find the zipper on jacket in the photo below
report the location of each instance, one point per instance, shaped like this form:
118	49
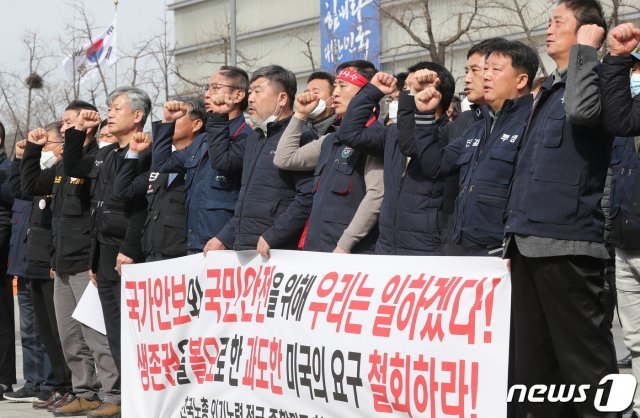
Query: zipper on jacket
395	212
253	167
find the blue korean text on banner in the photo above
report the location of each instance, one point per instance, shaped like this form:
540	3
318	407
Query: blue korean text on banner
349	30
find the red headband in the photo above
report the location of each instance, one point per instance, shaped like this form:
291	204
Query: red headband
352	77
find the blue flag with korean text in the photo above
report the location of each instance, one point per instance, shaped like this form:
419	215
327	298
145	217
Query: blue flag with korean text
349	30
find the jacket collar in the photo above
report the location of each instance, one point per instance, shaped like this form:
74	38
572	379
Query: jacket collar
276	126
509	105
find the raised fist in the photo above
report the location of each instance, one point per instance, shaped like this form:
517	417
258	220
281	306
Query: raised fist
624	39
386	83
423	79
221	103
87	119
174	110
428	99
139	142
305	104
591	35
20	148
38	136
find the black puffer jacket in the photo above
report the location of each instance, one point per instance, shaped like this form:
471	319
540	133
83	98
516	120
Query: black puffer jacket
273	203
620	111
410	216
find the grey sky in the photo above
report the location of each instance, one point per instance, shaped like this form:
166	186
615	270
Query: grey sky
137	20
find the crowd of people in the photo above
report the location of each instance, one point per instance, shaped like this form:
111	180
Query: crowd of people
521	175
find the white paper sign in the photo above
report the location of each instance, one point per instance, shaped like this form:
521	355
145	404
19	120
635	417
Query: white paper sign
89	310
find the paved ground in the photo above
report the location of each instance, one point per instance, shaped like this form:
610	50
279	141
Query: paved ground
25	410
16	409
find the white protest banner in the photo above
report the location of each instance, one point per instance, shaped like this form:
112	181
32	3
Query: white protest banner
308	334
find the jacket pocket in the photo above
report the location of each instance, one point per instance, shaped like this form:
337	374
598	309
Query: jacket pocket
557	181
341	184
75	241
221	182
72	205
499	166
173	241
553	130
39	246
114	223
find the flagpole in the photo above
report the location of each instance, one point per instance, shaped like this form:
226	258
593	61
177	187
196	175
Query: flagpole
115	3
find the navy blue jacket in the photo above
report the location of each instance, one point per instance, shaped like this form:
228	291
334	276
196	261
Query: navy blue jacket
409	216
486	159
20	213
17	263
30	249
339	189
625	195
6	198
620	111
211	193
560	174
273	203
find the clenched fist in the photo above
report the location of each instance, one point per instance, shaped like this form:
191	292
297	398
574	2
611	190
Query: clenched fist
173	110
139	142
38	136
20	148
591	35
428	99
623	39
386	83
222	103
87	119
423	79
305	104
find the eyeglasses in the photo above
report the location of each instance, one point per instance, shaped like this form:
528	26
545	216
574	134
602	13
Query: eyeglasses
216	87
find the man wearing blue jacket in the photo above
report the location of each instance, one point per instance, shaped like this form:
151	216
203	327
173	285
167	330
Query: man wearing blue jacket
211	192
621	116
555	224
409	221
485	155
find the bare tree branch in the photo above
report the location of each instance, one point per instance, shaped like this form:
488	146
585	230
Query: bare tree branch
467	21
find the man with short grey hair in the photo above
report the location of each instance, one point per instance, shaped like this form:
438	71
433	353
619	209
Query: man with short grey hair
211	192
118	218
274	204
164	232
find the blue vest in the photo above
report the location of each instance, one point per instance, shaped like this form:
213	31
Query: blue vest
625	195
487	163
339	189
560	174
